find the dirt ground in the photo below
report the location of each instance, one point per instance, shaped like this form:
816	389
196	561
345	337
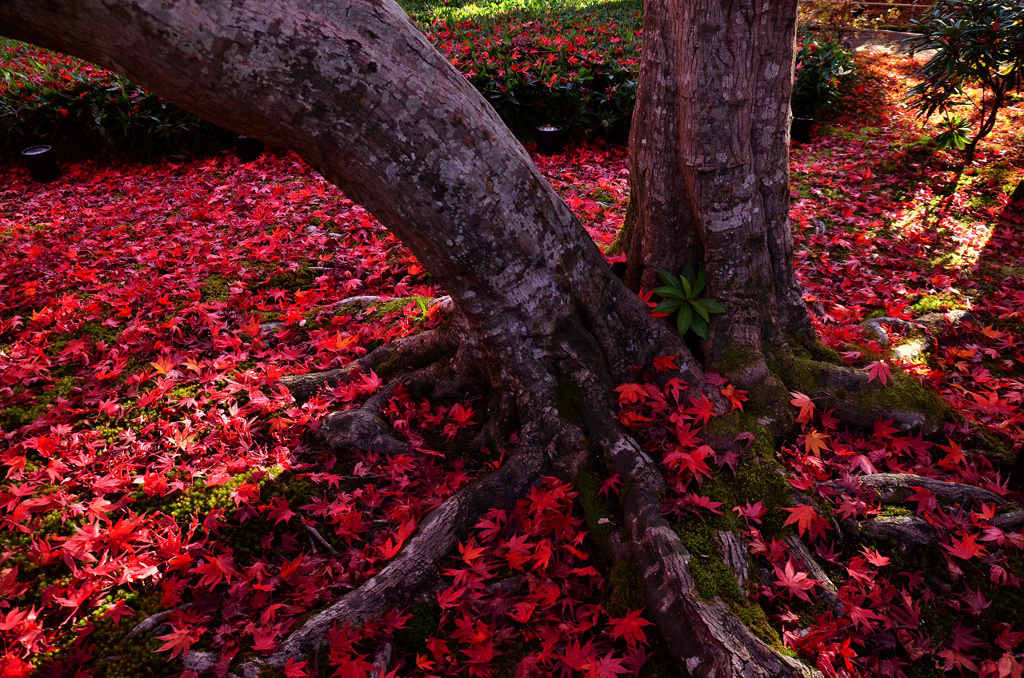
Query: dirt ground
885	42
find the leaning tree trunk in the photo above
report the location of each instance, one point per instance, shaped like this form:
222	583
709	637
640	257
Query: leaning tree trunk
709	153
361	95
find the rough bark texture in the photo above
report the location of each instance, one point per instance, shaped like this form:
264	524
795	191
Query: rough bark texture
709	165
707	638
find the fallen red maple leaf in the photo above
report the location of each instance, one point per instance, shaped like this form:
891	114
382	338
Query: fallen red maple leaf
880	370
179	640
631	393
630	627
806	518
796	583
965	548
806	406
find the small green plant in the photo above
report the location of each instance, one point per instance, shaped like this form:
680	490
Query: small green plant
681	293
956	132
977	43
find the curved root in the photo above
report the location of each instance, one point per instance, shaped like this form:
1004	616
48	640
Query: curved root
894	486
414	351
415	568
704	635
910	531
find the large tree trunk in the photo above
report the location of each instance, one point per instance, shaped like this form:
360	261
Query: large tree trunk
360	94
363	97
709	153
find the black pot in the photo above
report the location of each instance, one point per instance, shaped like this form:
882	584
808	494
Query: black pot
248	149
800	130
549	139
41	162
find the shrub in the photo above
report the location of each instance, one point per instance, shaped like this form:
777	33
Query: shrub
46	97
824	72
572	63
977	43
543	62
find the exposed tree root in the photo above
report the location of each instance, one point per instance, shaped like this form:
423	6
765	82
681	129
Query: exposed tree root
922	332
893	487
839	388
905	531
829	593
736	556
415	568
708	638
415	351
705	636
910	531
362	428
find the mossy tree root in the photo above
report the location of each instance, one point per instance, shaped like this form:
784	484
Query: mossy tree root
895	487
908	532
412	352
704	635
860	402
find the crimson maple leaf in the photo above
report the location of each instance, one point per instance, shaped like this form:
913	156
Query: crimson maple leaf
863	618
607	666
874	557
578	658
965	548
481	653
279	510
884	428
352	667
925	499
806	518
631	393
295	669
391	548
118	610
461	415
470	552
290	567
263	640
630	627
880	370
665	363
179	640
610	484
752	512
796	583
702	409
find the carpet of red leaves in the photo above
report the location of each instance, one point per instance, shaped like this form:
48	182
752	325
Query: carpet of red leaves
152	461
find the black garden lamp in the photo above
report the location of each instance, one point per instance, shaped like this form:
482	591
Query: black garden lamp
549	139
800	130
248	149
41	162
